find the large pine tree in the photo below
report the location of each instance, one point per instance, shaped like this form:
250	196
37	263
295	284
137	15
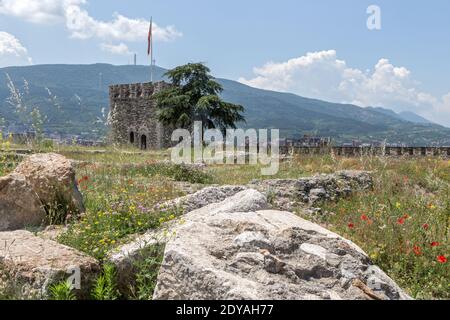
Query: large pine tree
194	96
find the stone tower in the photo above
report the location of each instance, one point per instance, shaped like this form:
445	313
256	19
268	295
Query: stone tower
133	116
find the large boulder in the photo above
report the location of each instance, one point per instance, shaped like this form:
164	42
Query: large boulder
52	177
126	257
237	250
20	206
29	265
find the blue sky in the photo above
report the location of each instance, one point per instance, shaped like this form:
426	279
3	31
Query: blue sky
404	66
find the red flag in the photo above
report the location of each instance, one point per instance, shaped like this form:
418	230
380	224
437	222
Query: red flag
149	49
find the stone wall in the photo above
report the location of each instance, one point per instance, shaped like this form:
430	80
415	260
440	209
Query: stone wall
133	116
380	151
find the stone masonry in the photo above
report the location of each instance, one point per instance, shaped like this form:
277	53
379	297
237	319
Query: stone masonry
133	116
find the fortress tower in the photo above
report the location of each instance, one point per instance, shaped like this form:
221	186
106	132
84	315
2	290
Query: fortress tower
133	116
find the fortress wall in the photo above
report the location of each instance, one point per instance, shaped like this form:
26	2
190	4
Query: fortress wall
375	151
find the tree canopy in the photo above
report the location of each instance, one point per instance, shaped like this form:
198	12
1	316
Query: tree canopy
195	96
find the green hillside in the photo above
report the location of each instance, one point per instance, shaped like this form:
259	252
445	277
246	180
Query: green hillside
78	104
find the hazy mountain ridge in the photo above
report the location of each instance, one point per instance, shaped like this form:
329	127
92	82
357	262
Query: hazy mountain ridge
293	114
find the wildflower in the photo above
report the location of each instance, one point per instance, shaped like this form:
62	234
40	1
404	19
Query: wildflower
442	259
398	205
435	244
426	226
364	217
431	206
351	225
417	250
401	221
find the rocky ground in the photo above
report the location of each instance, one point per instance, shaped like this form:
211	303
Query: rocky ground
229	242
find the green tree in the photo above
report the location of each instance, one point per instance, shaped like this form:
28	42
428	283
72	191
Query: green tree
194	96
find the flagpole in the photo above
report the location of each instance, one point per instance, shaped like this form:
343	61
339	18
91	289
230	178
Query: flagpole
151	50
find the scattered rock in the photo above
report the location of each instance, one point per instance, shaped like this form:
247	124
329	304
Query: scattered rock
289	193
223	252
187	187
20	206
189	166
29	265
52	177
202	198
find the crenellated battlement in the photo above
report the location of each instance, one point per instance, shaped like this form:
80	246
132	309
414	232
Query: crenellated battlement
135	90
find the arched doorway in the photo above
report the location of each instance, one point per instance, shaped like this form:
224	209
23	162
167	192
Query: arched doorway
144	142
132	137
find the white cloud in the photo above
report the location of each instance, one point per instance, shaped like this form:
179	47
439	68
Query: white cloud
37	11
12	52
321	75
121	49
81	25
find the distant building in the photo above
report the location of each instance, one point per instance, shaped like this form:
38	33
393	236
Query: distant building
306	141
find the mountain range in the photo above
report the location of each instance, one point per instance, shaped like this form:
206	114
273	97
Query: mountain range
74	101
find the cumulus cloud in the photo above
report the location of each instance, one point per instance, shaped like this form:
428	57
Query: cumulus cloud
322	75
120	49
80	24
12	52
37	11
83	26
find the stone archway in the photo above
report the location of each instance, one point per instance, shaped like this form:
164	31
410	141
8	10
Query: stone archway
144	142
132	134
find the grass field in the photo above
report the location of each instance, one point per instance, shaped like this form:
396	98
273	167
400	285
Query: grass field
403	223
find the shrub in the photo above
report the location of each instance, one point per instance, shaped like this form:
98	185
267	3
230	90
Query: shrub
105	287
61	291
147	272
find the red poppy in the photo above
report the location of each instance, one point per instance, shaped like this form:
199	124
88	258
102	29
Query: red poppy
401	220
441	259
85	178
426	226
406	216
364	217
351	225
417	250
435	244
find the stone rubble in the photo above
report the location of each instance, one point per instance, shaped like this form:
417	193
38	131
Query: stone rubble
287	194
